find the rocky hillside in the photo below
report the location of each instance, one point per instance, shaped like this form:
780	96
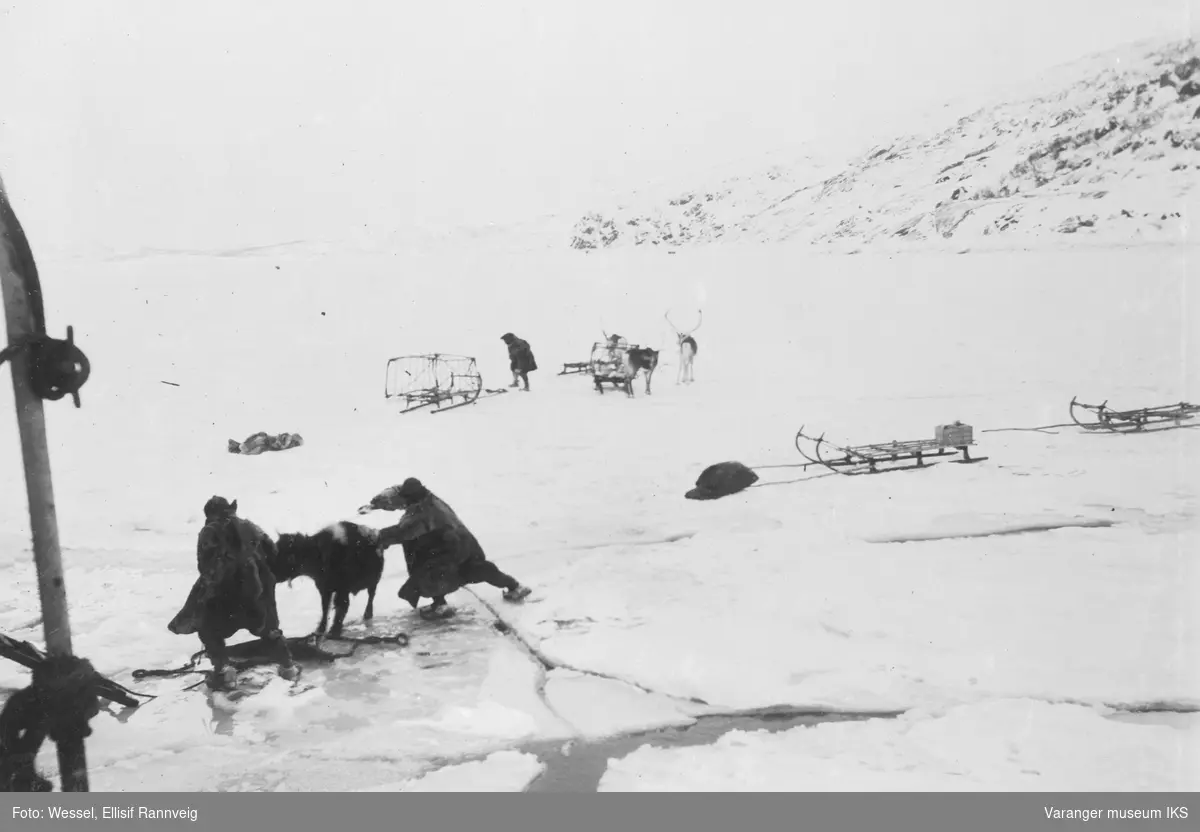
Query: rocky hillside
1107	149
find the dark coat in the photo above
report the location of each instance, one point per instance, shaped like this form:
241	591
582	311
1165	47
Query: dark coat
441	553
520	356
236	587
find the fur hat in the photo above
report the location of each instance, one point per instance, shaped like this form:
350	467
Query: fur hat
412	490
218	507
396	497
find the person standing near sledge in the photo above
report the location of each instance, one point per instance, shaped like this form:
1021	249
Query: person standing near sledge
441	553
520	359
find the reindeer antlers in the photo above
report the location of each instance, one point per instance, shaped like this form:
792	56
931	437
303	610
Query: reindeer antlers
699	321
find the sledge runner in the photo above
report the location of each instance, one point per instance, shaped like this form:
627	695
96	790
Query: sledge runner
441	553
520	358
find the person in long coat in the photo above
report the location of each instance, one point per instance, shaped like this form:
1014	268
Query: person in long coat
235	590
520	359
441	553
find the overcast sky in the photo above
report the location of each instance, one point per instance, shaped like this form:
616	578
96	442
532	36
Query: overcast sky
230	122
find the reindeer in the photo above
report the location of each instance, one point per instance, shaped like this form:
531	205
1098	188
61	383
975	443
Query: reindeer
643	359
687	349
633	361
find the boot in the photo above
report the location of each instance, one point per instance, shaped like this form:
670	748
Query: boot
517	593
437	611
224	680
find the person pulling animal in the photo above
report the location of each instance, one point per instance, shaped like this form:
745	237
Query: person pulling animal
441	553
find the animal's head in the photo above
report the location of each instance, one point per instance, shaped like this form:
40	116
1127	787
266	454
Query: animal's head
643	358
293	553
218	508
683	335
508	338
184	623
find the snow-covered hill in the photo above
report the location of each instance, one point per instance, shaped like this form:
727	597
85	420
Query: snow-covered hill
1107	150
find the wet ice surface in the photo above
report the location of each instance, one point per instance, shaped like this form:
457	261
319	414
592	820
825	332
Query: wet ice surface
382	715
649	610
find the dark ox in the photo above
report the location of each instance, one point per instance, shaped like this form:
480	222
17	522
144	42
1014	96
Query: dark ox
342	560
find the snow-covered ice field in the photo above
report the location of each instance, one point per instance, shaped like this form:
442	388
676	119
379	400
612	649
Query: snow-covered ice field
1011	656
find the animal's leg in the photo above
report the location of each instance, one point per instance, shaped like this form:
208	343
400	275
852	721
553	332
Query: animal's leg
341	605
438	609
370	611
326	597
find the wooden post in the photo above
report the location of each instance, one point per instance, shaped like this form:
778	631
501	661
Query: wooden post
31	420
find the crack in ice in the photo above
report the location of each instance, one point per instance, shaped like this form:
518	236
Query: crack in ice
548	664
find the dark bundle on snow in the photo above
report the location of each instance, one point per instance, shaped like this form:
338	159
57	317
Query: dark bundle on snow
342	560
262	442
721	480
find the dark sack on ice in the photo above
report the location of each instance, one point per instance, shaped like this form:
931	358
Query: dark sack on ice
721	480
